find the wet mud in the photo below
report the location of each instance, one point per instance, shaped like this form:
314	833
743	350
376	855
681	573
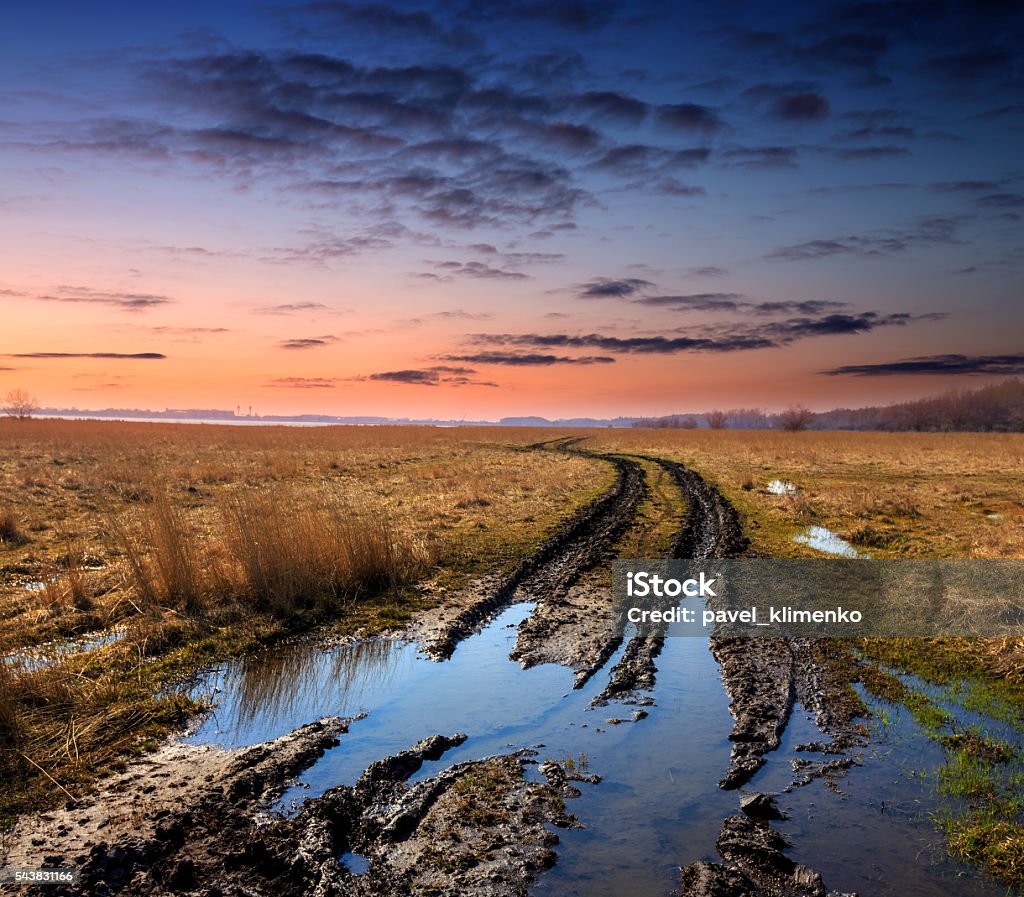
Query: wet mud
204	822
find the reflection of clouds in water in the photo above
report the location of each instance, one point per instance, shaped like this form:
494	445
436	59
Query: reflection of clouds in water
274	685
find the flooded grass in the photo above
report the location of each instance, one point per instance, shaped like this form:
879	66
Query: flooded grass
980	778
827	542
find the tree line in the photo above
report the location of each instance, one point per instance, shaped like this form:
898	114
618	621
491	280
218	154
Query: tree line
997	407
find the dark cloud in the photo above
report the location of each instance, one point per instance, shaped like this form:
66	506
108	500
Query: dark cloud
972	65
477	270
881	132
936	364
689	117
132	356
1001	200
522	359
716	339
760	157
928	230
421	378
436	375
671	187
340	17
707	271
322	250
642	292
696	302
303	382
889	151
573	15
313	342
123	301
964	186
658	345
640	159
801	107
735	302
290	308
613	107
840	324
605	288
428	139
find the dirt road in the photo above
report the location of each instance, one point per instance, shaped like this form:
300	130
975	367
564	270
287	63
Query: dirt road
196	821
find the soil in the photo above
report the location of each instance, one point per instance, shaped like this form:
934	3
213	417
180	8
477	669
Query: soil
199	821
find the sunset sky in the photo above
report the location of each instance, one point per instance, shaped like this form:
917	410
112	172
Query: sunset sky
524	207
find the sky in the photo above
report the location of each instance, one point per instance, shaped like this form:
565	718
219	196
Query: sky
480	209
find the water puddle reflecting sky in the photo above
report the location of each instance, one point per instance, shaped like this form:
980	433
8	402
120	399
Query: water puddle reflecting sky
824	540
658	806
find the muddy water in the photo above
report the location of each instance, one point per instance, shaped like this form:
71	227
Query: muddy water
658	805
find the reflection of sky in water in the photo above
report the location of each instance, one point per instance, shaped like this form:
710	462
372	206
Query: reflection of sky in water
42	656
658	806
821	539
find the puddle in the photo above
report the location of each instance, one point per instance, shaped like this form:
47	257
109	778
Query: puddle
43	656
658	806
781	487
821	539
356	863
878	836
632	844
35	586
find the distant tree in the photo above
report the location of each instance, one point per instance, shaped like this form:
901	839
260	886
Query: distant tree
20	404
717	420
796	418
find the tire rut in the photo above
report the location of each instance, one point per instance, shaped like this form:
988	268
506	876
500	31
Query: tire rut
711	529
584	542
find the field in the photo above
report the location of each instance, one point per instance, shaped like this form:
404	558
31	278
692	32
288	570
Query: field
132	554
891	494
188	543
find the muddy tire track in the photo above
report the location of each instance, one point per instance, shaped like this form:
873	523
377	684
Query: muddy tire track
755	866
711	529
763	678
548	573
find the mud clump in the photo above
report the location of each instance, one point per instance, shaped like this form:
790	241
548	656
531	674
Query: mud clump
755	866
758	677
476	828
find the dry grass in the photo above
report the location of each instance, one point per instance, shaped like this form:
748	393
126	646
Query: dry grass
147	506
200	541
10	530
896	494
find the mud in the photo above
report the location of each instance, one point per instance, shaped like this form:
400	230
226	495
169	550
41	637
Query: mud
763	678
711	529
547	574
755	866
477	828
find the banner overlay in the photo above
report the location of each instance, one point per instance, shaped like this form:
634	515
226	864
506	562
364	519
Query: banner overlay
816	598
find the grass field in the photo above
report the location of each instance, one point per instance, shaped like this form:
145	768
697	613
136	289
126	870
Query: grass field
889	494
186	543
180	544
